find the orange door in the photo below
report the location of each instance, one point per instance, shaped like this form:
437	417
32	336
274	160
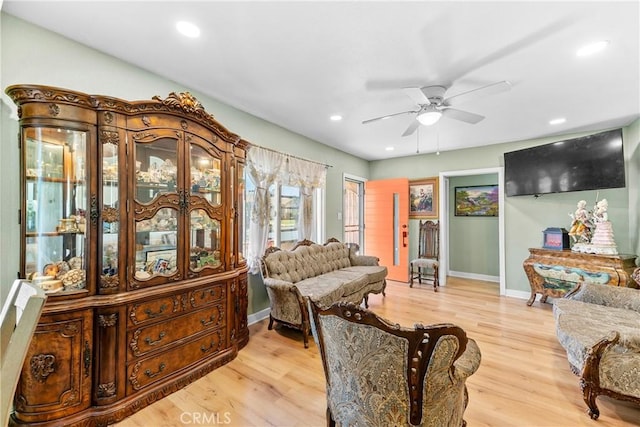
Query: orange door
386	225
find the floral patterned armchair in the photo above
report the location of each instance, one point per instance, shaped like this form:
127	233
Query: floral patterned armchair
380	374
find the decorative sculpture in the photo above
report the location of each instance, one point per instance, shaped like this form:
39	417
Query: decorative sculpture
601	241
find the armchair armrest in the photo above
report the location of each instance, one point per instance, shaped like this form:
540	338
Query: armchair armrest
364	260
286	302
277	284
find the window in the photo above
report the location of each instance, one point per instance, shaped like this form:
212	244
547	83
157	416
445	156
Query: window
353	207
283	224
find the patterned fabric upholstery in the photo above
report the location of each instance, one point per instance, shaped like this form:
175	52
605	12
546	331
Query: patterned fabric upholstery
367	374
586	317
325	273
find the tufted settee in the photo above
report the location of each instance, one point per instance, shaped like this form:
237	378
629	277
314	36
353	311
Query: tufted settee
599	327
326	273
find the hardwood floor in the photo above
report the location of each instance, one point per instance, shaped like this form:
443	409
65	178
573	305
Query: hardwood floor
524	378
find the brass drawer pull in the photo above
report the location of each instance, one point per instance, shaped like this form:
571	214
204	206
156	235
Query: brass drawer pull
205	322
149	313
207	349
150	341
154	374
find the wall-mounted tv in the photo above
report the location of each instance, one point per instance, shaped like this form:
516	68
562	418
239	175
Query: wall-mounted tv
591	162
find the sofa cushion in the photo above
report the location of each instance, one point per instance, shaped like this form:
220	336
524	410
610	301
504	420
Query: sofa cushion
580	325
375	273
333	286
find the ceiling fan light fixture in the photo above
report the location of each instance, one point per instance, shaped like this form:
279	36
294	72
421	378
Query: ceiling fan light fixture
429	118
188	29
592	48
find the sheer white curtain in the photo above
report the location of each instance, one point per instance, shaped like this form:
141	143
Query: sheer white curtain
264	167
308	176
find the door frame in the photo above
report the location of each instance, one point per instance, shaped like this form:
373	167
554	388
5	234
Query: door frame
443	214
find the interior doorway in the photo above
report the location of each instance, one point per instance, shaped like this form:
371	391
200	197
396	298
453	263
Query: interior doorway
444	212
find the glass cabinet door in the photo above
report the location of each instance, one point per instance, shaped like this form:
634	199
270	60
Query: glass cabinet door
155	165
55	186
205	214
204	176
156	250
204	241
110	216
240	213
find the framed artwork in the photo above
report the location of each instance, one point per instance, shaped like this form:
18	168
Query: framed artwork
163	262
476	200
423	198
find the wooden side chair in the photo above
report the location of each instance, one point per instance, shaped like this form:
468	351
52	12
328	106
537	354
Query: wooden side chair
381	374
20	315
427	264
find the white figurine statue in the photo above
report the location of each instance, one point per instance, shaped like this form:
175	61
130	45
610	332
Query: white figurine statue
600	213
581	225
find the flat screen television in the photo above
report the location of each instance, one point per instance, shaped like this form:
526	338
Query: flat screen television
591	162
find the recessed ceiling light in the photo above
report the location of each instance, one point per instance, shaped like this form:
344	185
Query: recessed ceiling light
592	48
557	121
389	149
336	118
188	29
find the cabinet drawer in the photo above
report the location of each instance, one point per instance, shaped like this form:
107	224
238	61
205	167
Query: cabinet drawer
157	309
145	372
157	336
206	296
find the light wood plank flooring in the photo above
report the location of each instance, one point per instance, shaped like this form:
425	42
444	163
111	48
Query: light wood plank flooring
524	378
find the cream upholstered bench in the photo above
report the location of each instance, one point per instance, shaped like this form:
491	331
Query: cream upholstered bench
326	273
599	327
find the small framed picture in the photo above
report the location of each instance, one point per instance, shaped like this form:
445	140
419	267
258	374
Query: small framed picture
161	262
423	198
476	200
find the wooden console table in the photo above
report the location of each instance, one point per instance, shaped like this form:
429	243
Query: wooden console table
554	273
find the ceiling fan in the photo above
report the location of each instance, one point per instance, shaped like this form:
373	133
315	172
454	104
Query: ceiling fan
432	104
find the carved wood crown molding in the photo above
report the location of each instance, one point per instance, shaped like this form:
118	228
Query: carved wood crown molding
184	104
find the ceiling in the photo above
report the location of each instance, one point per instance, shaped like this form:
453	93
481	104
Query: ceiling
297	63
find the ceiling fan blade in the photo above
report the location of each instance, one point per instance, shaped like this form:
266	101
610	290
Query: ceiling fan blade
417	95
491	89
412	127
464	116
386	117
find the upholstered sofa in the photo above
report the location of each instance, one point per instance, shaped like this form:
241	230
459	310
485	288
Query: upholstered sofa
327	273
599	327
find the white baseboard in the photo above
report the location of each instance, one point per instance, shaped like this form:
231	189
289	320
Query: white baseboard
256	317
518	294
475	276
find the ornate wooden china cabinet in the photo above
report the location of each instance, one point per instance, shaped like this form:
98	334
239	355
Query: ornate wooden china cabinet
130	221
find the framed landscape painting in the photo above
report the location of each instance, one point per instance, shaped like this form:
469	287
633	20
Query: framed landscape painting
476	200
423	198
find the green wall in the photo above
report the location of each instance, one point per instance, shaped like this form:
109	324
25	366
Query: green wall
33	55
30	54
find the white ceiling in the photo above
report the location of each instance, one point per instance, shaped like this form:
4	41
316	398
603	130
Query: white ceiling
297	63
